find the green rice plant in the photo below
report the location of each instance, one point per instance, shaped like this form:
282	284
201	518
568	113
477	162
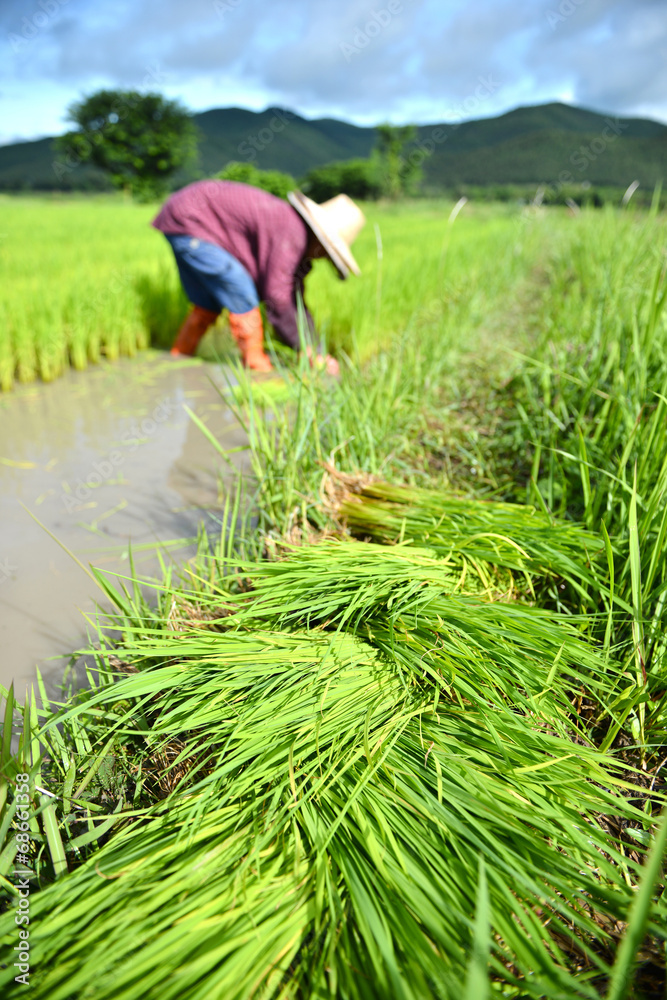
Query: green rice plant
40	822
513	536
592	402
621	977
372	770
330	843
76	799
87	255
83	333
382	416
108	280
128	339
7	360
477	982
373	420
435	623
337	740
50	345
77	342
332	792
163	305
22	345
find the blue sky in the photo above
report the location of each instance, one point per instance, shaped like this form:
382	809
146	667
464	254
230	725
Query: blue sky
396	60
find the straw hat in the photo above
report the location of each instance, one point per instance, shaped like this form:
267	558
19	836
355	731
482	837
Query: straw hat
336	224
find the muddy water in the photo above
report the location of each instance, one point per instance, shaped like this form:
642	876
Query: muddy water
105	459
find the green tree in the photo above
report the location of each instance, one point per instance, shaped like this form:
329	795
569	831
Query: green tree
356	178
140	140
399	174
272	181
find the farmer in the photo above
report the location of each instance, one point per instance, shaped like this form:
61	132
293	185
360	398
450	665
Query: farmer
236	245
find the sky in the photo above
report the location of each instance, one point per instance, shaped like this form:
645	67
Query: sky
365	61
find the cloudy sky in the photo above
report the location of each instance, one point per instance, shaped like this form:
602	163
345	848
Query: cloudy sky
362	60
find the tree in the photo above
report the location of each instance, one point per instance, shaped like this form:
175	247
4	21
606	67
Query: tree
272	181
399	173
356	178
140	140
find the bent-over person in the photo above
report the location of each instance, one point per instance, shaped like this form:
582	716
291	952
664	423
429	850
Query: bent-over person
236	246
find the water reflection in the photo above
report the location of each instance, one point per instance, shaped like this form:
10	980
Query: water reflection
103	458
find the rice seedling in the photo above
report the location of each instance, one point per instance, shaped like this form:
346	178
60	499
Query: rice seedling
437	625
339	742
70	295
506	535
329	842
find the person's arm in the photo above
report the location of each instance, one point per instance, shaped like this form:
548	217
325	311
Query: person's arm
280	298
284	318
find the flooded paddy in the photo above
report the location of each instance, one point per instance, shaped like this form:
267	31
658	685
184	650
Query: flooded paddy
104	459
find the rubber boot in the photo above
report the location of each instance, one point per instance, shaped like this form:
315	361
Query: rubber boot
248	333
195	326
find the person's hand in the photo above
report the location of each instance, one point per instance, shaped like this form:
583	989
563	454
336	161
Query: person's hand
329	364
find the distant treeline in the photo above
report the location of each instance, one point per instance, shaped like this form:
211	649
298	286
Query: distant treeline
359	179
583	195
322	183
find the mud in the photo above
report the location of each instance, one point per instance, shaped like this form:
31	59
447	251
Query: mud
105	459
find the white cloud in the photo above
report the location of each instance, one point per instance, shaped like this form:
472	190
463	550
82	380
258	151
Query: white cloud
365	60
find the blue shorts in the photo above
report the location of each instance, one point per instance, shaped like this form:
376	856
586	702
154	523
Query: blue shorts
211	277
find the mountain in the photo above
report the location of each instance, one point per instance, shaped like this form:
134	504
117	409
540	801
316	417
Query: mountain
277	140
539	144
550	143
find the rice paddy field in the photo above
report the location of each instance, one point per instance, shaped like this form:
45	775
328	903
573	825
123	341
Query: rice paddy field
100	282
398	729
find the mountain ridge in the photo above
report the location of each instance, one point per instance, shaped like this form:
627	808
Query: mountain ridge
530	144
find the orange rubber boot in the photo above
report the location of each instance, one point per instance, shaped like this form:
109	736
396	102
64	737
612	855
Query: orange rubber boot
195	326
248	333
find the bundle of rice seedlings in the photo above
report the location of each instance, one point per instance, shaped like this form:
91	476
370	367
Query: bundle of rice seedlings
332	846
436	625
360	745
514	536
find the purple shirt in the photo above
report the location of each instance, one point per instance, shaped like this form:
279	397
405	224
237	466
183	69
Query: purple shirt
263	232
